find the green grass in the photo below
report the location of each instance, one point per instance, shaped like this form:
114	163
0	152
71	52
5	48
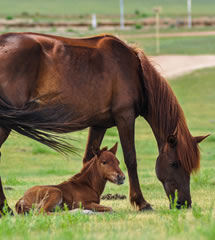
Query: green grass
24	164
70	7
190	45
177	45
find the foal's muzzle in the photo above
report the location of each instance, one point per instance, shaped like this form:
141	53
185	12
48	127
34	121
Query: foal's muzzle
120	179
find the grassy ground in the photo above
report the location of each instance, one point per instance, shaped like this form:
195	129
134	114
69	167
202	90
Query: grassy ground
68	7
188	45
26	163
177	45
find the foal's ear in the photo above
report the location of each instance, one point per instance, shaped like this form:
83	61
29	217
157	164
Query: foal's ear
114	149
201	138
172	140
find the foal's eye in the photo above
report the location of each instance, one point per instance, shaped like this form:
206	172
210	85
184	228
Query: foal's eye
104	162
175	164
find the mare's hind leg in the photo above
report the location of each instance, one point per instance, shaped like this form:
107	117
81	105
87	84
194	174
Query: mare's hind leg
125	125
3	136
95	137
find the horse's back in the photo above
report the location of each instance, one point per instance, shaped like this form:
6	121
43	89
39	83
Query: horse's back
100	72
19	65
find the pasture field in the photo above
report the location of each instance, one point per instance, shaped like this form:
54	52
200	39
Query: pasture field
190	45
171	8
25	163
187	45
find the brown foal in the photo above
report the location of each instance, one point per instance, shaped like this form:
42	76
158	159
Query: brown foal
83	189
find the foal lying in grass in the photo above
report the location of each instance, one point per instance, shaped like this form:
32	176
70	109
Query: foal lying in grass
83	189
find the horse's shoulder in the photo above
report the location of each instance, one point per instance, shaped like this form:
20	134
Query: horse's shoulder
114	44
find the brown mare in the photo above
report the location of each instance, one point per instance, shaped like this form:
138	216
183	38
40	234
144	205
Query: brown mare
57	85
84	189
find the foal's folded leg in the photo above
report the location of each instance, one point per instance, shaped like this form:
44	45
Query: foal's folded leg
52	197
97	207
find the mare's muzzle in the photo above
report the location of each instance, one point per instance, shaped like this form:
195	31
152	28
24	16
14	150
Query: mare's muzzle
183	199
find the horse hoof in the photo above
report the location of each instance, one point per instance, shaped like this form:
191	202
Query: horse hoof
8	212
146	208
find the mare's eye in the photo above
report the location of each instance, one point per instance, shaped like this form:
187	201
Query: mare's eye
175	164
104	162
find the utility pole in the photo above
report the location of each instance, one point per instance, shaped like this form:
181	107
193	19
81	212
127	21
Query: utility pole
189	20
122	24
157	11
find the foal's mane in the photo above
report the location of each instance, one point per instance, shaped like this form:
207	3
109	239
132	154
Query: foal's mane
166	115
86	167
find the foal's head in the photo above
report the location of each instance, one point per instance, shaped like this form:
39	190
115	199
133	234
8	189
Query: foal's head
108	165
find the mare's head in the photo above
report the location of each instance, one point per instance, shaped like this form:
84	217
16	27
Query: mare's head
108	165
178	158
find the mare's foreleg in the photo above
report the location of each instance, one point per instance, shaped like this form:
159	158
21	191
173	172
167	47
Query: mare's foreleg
125	125
3	202
95	137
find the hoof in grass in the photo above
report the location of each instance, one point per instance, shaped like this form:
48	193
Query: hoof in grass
146	208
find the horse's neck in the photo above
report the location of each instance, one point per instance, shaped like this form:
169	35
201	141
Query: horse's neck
90	178
95	181
160	136
163	111
165	116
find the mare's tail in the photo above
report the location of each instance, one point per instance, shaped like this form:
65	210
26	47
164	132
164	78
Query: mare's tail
41	123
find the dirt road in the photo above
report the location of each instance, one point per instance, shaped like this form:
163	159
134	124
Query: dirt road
171	66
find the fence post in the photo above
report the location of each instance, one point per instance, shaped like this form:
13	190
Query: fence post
189	20
122	24
94	22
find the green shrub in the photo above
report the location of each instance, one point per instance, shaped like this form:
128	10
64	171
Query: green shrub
9	17
137	12
138	26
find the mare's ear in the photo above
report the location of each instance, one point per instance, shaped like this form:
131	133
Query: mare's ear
96	152
172	140
201	138
114	149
